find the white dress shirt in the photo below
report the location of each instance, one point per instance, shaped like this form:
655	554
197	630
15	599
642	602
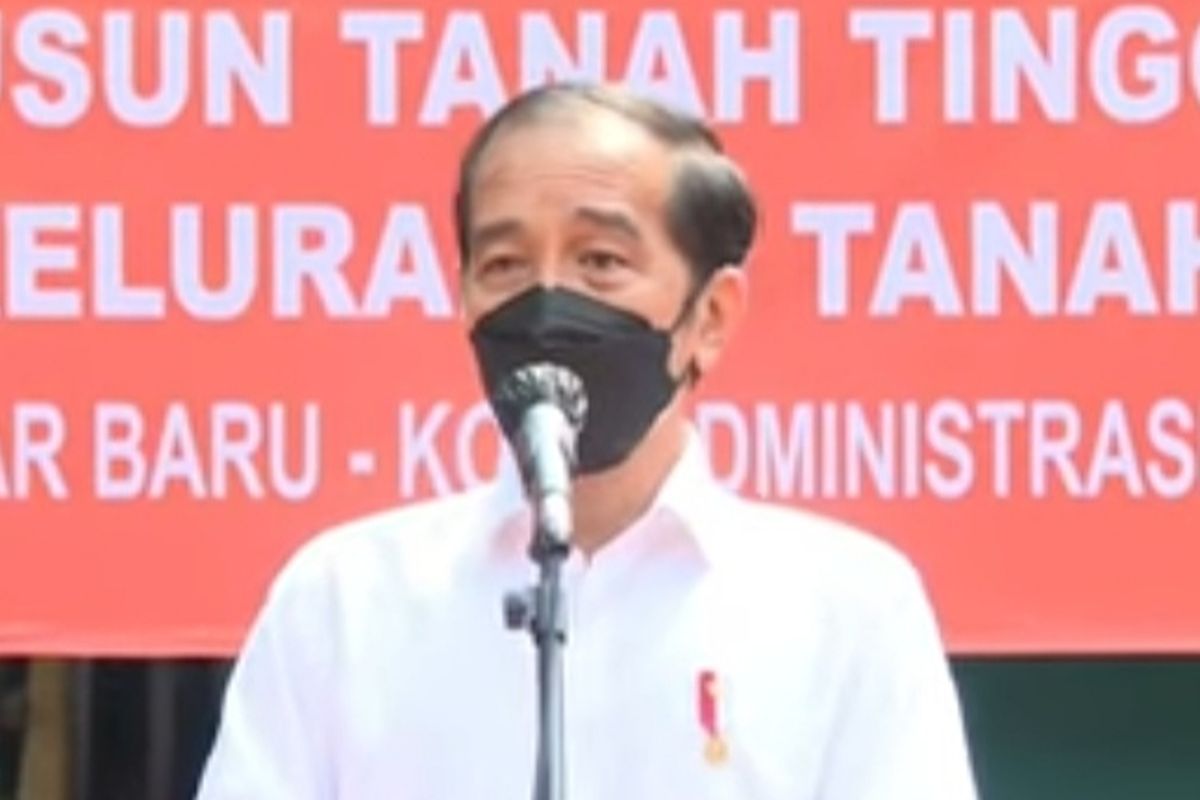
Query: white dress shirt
718	648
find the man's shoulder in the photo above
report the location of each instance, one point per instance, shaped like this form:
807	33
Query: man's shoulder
809	550
397	544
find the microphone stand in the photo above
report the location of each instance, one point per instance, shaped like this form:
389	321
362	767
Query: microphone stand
541	609
542	408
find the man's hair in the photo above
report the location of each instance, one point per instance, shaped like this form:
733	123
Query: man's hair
710	211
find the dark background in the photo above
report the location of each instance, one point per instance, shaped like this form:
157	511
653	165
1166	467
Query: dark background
1040	729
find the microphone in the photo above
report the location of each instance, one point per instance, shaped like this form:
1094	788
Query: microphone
541	408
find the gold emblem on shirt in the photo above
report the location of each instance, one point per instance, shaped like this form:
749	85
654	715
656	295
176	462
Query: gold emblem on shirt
716	752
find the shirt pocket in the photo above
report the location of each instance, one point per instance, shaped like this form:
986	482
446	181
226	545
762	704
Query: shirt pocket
696	732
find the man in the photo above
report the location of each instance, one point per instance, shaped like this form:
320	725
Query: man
717	648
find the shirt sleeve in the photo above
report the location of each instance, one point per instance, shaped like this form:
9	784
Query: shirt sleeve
898	734
272	740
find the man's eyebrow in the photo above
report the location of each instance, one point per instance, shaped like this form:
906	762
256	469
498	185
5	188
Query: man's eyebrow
484	235
617	221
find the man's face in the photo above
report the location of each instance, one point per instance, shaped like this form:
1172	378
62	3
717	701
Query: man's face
578	202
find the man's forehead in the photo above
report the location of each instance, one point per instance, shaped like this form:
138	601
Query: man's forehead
615	219
601	157
592	142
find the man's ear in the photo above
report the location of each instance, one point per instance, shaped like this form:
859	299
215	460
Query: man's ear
718	313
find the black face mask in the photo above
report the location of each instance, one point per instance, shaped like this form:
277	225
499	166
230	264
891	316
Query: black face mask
620	358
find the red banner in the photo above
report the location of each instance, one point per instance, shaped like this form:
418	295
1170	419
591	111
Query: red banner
228	310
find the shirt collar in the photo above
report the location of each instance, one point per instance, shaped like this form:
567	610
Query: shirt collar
681	508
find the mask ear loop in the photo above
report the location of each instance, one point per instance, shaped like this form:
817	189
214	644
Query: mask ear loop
691	373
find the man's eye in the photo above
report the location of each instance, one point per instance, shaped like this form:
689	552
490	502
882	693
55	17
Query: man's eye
498	265
602	260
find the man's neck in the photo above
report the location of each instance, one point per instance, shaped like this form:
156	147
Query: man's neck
607	503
